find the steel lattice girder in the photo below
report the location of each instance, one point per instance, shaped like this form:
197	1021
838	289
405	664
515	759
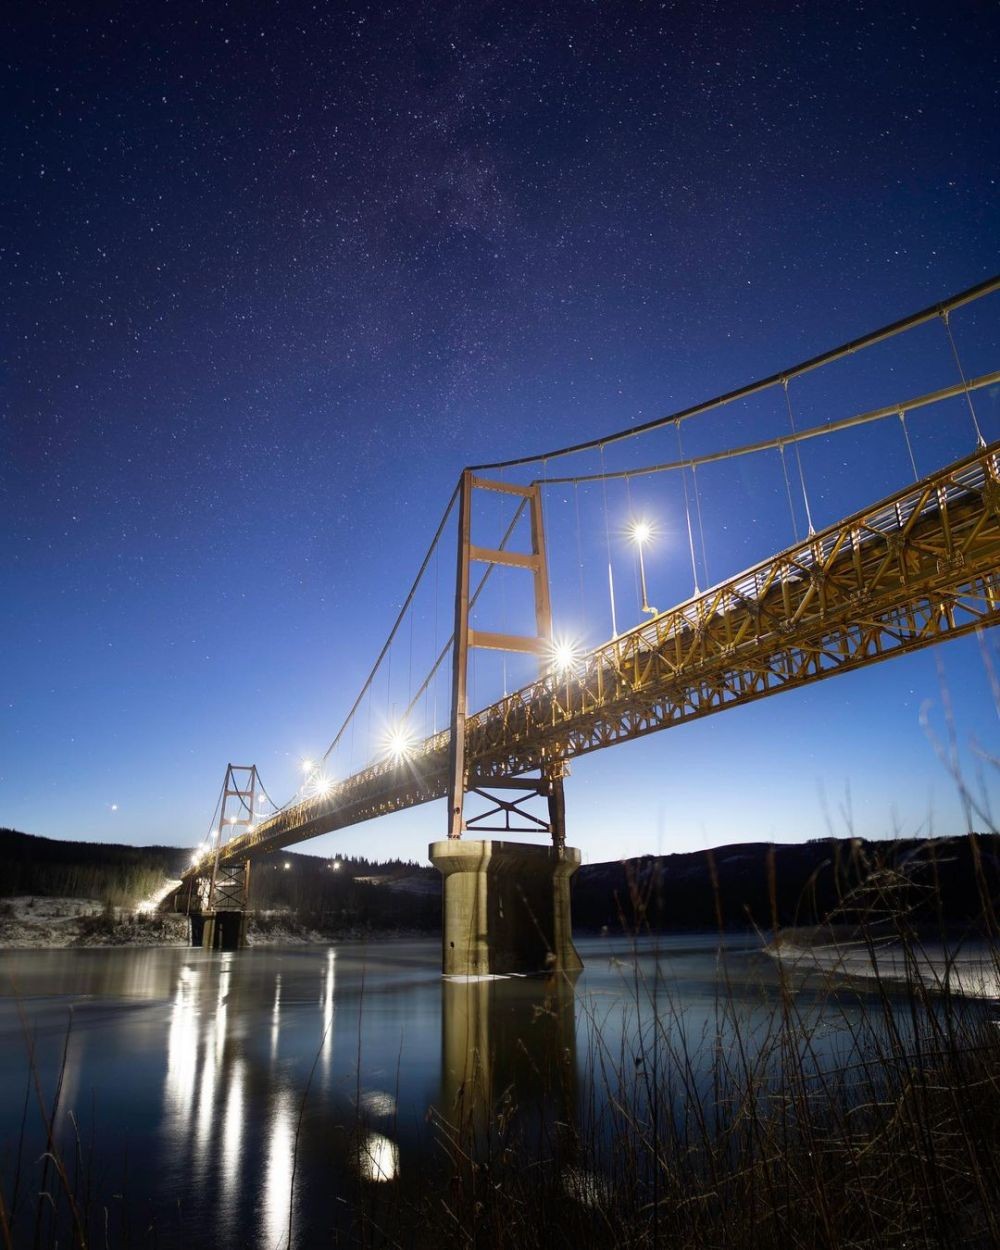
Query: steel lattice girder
916	569
230	891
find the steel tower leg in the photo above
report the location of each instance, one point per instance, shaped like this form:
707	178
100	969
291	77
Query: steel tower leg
506	904
460	665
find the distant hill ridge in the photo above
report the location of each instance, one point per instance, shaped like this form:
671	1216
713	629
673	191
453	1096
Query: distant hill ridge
954	880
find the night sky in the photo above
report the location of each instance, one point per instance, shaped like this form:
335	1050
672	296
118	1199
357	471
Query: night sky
274	274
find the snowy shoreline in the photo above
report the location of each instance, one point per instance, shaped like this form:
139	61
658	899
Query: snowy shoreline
29	922
971	968
36	922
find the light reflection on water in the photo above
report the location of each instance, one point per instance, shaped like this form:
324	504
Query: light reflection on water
327	1002
232	1127
277	1178
378	1158
192	1068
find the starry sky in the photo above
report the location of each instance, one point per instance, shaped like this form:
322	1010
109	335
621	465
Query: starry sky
274	273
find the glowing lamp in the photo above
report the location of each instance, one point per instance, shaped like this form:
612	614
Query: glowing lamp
564	655
399	743
641	532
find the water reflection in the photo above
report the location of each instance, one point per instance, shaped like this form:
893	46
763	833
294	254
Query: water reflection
276	1196
182	1053
378	1158
376	1102
276	1017
329	988
205	1103
231	1154
509	1041
220	1060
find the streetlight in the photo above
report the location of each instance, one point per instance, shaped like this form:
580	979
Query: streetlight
564	655
399	742
641	532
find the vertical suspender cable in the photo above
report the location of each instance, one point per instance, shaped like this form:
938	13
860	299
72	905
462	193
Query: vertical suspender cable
579	552
632	518
701	528
798	459
409	665
687	509
788	492
909	448
607	543
961	373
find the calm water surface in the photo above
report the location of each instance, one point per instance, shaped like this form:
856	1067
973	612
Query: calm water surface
189	1074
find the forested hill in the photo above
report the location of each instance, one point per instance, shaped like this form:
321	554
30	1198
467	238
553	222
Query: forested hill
124	875
837	880
955	880
106	871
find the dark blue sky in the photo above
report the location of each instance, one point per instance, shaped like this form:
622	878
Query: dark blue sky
273	275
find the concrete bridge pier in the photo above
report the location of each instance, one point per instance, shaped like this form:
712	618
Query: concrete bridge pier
219	931
506	907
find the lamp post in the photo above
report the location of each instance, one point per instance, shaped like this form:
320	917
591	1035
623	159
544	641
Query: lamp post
641	533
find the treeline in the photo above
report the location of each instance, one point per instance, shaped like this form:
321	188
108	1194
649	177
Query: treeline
120	875
842	881
125	875
335	900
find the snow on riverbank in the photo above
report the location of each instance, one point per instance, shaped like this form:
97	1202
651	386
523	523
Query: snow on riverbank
970	969
34	921
30	921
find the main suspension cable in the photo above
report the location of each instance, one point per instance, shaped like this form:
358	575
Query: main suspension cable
782	440
392	633
874	337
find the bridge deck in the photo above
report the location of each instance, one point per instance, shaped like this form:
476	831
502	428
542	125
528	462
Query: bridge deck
916	568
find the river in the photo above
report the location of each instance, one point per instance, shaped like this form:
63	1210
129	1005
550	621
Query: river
195	1083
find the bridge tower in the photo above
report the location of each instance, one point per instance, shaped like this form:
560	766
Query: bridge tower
217	897
506	904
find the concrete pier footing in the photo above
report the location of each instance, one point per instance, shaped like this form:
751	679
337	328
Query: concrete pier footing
506	907
220	931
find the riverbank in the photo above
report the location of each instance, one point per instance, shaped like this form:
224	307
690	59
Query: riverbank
30	922
36	922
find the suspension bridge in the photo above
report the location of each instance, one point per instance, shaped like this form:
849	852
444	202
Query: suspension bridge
916	567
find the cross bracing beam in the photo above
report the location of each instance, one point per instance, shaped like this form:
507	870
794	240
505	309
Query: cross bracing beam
915	569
